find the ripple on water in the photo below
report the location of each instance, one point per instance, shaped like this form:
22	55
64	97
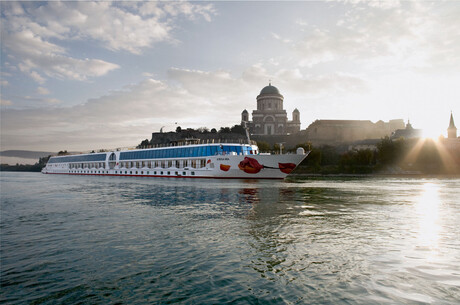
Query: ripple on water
105	240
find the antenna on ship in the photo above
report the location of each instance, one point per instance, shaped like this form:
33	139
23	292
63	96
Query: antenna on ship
246	128
281	147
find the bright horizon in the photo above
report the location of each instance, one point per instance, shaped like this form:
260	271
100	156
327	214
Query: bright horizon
79	76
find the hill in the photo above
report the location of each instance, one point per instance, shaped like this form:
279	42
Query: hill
26	154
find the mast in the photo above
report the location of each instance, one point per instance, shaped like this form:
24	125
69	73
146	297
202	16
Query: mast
246	128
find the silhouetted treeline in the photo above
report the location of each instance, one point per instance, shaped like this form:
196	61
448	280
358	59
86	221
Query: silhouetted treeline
402	156
234	129
190	132
37	167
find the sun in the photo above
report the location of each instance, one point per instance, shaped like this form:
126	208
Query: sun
431	134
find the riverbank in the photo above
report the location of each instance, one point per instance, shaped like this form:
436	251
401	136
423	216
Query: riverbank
301	177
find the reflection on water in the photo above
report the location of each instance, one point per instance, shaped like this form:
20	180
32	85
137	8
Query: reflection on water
351	241
427	207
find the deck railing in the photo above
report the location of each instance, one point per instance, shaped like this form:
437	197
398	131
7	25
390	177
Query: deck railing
182	142
185	142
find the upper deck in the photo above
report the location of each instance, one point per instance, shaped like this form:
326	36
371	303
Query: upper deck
169	152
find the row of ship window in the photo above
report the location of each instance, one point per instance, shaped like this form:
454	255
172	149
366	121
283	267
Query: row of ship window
162	173
79	158
185	152
196	163
87	165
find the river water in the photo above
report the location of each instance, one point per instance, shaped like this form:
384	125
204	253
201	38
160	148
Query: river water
122	240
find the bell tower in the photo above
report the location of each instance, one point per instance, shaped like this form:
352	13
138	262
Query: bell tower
451	130
244	116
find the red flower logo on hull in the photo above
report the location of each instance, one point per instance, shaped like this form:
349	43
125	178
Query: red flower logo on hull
286	168
250	165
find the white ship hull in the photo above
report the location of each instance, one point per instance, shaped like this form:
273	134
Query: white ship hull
222	165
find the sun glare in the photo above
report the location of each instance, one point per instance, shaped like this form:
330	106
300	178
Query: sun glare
429	134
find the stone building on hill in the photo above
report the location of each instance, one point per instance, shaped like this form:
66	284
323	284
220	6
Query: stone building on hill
333	132
406	133
270	118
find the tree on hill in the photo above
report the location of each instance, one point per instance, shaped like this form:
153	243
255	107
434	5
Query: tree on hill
225	130
238	129
263	146
144	143
390	152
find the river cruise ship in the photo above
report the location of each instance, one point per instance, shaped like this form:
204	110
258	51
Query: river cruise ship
190	159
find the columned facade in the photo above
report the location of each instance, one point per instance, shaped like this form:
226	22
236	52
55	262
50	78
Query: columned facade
270	118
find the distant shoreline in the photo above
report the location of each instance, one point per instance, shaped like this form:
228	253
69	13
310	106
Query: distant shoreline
403	175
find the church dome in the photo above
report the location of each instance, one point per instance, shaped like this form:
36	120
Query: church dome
270	90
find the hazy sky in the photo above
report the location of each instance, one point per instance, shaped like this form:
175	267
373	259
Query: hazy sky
90	75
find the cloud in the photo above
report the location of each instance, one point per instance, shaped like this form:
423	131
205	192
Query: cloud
194	98
116	26
33	74
413	35
35	54
34	34
42	91
216	85
5	102
107	119
302	84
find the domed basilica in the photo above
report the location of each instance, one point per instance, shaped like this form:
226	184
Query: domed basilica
270	118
